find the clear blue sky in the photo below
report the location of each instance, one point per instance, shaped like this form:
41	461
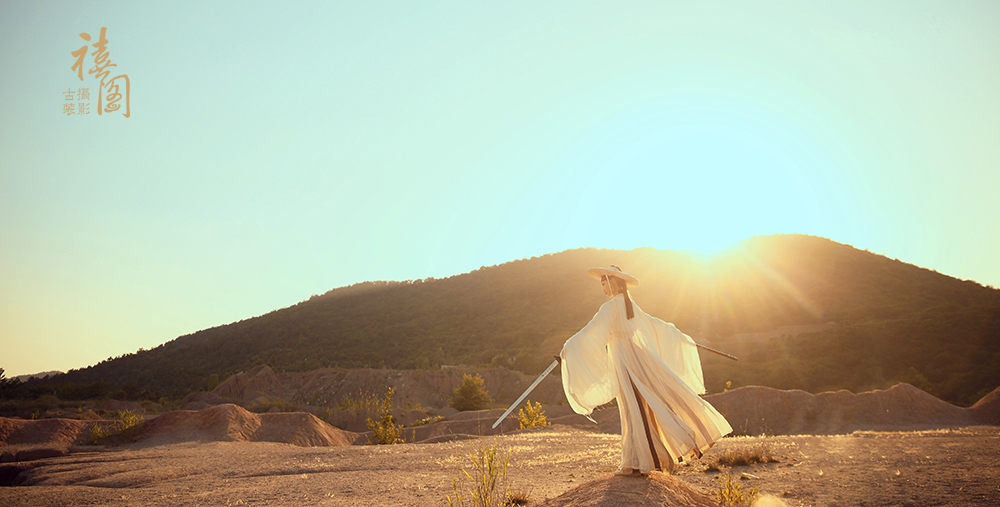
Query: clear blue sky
275	151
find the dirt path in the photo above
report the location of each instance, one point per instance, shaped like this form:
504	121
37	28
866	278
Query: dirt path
946	467
941	467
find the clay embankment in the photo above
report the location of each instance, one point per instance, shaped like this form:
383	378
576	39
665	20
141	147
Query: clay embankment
750	410
329	387
221	423
763	410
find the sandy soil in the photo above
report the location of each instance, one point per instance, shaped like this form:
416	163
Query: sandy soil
941	467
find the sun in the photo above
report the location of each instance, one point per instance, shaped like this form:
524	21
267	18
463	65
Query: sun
711	246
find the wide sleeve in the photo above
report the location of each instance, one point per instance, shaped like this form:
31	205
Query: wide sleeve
587	373
678	351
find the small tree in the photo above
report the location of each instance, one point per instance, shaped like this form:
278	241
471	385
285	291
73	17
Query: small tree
385	431
529	417
471	395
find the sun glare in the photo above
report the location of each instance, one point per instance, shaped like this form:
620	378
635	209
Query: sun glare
709	247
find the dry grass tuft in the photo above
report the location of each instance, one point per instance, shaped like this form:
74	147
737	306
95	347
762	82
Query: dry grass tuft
731	494
485	483
743	456
519	497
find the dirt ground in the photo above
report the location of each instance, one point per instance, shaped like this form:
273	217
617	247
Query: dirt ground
926	468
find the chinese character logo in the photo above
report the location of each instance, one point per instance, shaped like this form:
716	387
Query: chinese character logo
78	107
112	89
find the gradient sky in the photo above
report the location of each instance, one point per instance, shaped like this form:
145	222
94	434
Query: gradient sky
278	151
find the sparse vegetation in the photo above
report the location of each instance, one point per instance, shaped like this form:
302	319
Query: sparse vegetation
471	395
731	494
325	414
518	497
129	424
100	433
370	403
745	455
126	428
427	420
484	483
385	431
529	416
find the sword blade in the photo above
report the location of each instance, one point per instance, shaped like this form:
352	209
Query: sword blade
526	392
710	349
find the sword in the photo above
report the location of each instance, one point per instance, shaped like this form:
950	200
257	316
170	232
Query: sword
710	349
529	389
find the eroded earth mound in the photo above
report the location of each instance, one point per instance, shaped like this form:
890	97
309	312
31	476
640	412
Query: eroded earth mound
656	489
231	423
59	432
750	410
758	410
987	409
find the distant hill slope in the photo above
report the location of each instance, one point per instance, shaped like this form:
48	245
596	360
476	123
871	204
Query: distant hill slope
801	312
24	378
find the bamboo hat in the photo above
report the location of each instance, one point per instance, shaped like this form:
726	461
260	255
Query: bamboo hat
630	281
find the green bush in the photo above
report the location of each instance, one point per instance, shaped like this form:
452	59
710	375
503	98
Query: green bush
129	424
126	428
471	395
385	431
529	417
100	433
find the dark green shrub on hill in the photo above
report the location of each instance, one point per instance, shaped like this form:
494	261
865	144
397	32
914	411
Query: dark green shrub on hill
471	395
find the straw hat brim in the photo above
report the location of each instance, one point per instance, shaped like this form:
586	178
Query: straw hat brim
630	281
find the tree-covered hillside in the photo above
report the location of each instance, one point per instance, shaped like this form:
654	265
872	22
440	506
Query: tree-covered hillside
801	312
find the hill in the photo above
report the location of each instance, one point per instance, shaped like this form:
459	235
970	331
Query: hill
802	312
25	378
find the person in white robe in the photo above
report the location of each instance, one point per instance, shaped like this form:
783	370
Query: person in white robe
653	371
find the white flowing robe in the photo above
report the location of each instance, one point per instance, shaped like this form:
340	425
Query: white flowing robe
605	359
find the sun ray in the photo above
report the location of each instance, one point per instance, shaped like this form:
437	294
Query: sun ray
789	289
